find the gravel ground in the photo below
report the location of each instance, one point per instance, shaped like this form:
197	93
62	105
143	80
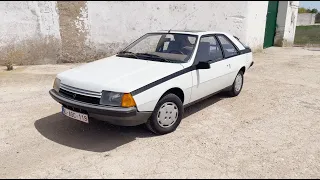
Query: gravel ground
271	130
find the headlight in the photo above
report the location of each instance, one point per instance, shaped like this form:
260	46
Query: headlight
56	84
117	99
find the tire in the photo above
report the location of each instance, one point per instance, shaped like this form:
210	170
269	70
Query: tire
235	90
166	116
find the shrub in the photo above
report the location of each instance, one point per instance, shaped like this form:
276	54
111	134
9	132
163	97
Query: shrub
12	56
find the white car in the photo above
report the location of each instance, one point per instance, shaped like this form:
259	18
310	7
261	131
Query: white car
154	78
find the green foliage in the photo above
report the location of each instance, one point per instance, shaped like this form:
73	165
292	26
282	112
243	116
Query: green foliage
307	35
304	10
314	10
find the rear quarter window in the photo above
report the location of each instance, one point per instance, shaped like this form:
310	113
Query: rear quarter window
228	48
240	41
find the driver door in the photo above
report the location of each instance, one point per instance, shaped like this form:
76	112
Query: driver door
209	81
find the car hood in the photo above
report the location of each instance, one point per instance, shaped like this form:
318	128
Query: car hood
117	74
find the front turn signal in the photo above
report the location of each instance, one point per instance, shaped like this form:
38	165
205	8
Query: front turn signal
127	100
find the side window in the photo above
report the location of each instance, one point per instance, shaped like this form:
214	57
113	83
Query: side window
209	49
228	48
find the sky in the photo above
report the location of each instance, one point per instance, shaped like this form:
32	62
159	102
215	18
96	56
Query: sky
310	4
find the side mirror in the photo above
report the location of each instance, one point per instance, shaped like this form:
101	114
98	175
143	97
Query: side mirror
203	65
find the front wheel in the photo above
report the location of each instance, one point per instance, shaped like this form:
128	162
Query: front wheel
166	116
237	85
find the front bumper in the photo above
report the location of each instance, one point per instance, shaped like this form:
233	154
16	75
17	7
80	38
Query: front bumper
114	115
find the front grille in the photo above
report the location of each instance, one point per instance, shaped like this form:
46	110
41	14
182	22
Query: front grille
80	91
79	97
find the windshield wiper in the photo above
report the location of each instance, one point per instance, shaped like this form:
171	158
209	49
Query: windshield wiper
153	56
128	53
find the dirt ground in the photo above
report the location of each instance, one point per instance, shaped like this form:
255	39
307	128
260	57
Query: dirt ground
271	130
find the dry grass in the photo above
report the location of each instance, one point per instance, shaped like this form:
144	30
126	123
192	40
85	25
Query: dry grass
12	56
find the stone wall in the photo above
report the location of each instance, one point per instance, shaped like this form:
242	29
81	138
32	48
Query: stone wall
306	19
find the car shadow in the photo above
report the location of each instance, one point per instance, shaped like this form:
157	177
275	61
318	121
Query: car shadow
99	136
204	103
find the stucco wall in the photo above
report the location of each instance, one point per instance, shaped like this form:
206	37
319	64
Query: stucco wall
76	31
255	24
29	32
305	19
111	29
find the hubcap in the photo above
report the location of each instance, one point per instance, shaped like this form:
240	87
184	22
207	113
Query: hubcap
167	114
238	82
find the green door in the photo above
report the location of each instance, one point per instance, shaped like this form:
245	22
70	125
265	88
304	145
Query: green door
270	30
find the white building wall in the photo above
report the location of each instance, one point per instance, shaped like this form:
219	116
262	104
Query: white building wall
112	25
30	28
17	19
48	18
256	23
44	31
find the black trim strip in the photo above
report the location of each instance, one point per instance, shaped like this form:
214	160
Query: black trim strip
206	97
164	79
220	45
246	50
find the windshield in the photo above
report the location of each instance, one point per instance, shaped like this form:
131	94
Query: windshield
166	47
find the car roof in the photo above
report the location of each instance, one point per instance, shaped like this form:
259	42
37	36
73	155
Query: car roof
200	33
191	32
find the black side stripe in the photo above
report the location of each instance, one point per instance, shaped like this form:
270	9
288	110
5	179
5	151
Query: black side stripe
244	51
164	79
176	74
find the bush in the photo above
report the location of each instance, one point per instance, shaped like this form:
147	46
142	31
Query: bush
12	56
304	10
9	66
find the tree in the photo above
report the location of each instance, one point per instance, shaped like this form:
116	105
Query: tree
314	10
302	10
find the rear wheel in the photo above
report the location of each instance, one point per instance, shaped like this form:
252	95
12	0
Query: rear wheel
237	85
166	116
